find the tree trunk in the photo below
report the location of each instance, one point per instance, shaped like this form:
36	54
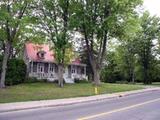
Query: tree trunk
96	74
97	78
133	77
146	80
60	75
131	74
4	64
145	76
11	55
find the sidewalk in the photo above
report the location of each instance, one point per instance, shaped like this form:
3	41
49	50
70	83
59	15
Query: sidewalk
6	107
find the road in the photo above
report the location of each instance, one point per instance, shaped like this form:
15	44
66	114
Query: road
144	106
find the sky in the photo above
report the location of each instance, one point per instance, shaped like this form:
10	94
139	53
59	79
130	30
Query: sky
153	6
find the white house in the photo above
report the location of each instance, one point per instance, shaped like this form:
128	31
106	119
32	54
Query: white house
40	61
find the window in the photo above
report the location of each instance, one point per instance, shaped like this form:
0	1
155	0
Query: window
40	67
56	68
73	69
78	70
51	69
46	67
42	55
82	70
30	67
34	67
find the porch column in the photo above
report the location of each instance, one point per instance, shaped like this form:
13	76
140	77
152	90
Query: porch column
71	71
76	69
48	67
31	67
84	70
49	75
37	67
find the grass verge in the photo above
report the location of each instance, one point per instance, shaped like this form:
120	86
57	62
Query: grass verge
45	91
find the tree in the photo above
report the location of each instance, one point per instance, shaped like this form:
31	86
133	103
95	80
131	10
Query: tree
54	21
12	17
150	31
127	60
99	21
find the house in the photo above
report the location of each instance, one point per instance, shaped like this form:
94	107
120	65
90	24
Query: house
41	63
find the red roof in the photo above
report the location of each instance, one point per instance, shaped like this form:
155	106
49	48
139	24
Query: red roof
76	61
32	50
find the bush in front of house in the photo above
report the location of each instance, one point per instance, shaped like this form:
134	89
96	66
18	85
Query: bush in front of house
16	71
76	80
31	80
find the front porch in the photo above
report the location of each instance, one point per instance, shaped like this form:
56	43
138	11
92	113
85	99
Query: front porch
49	71
42	70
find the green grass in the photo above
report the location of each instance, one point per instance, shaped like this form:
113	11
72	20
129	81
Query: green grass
157	84
43	91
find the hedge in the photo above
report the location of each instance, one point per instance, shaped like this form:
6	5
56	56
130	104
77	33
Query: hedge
16	71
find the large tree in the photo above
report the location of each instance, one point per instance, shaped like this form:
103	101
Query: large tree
54	21
98	21
12	17
145	43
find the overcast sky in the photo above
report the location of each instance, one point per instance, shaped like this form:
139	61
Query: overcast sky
153	6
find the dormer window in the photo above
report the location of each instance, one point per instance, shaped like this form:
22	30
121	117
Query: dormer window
41	54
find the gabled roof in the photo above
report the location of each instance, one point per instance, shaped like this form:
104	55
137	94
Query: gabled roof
32	50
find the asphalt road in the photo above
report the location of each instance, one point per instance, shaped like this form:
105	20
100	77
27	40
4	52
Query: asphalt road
144	106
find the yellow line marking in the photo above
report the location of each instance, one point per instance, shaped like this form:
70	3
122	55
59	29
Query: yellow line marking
118	110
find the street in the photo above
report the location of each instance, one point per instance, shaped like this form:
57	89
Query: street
144	106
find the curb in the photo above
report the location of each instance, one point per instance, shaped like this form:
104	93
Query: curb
8	107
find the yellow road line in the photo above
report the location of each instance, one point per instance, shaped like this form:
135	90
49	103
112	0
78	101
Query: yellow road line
118	110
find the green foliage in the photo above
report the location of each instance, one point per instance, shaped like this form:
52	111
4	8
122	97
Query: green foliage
98	16
112	72
80	81
101	20
145	48
54	22
16	71
135	59
31	80
17	17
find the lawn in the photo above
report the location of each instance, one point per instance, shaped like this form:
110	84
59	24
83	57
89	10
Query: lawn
43	91
157	84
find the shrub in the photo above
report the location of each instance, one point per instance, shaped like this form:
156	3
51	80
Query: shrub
31	80
122	82
76	80
16	71
111	76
